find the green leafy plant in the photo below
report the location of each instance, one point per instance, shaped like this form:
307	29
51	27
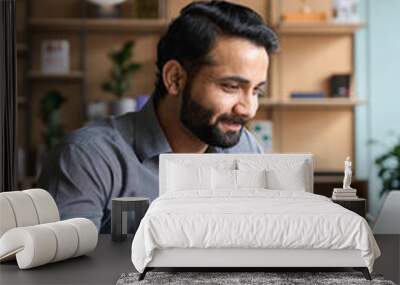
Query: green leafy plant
388	165
50	106
122	70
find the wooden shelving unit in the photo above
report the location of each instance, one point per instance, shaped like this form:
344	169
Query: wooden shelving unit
90	41
325	28
38	75
99	25
325	102
310	53
56	24
128	25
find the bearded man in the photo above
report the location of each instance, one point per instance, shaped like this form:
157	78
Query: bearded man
212	66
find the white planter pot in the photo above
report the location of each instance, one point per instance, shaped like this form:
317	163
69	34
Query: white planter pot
123	106
97	110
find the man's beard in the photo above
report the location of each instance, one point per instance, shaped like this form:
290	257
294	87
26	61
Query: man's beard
196	119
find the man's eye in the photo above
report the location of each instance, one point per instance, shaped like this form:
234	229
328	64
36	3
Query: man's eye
229	87
259	93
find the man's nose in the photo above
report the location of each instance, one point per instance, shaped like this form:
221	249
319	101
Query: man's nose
246	106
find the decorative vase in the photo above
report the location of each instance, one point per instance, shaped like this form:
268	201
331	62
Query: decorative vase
123	106
104	9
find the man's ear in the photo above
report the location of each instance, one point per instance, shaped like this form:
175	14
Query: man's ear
174	77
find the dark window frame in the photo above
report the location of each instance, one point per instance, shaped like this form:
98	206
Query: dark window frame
8	99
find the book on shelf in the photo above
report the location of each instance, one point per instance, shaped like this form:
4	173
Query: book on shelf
340	85
335	197
343	194
341	190
55	56
307	95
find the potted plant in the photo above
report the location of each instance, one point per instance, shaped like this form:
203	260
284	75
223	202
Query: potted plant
50	106
388	165
121	79
53	133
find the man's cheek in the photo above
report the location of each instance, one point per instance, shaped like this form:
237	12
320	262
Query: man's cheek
254	108
214	119
216	112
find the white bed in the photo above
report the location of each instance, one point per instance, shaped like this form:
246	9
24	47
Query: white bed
267	218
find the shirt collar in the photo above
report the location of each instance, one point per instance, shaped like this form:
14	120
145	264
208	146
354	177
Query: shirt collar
150	139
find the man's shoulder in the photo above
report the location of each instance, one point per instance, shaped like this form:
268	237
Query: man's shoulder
246	144
111	130
95	143
91	133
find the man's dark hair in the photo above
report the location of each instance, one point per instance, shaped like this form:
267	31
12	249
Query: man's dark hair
192	35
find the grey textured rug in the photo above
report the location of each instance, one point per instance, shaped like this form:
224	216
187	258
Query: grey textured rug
229	278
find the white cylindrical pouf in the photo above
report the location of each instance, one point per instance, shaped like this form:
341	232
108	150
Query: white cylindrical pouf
87	233
40	244
7	218
23	207
67	239
45	205
34	246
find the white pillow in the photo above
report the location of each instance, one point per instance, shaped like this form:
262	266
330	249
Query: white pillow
251	178
294	180
281	174
203	161
225	179
181	177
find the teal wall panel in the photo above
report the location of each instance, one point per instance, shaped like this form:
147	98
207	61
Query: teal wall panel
377	63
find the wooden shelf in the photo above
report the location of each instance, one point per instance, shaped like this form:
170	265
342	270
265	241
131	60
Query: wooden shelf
324	28
99	25
56	24
267	102
38	75
127	25
326	102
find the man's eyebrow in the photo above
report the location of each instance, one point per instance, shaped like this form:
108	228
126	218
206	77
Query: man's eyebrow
235	78
241	80
262	83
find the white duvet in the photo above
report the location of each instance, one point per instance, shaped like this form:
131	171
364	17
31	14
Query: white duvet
253	218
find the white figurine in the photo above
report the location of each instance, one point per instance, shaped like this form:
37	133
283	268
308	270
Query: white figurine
347	174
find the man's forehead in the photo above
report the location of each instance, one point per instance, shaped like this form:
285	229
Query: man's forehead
228	61
228	48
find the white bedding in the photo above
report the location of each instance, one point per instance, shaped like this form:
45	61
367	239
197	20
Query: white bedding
251	218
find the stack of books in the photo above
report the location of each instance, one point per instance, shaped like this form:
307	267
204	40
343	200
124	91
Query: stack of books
344	194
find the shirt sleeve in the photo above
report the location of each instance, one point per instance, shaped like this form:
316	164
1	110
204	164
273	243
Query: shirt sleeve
78	180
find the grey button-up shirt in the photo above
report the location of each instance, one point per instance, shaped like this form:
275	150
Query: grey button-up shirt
112	158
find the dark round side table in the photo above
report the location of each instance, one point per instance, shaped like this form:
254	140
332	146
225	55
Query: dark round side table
120	208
